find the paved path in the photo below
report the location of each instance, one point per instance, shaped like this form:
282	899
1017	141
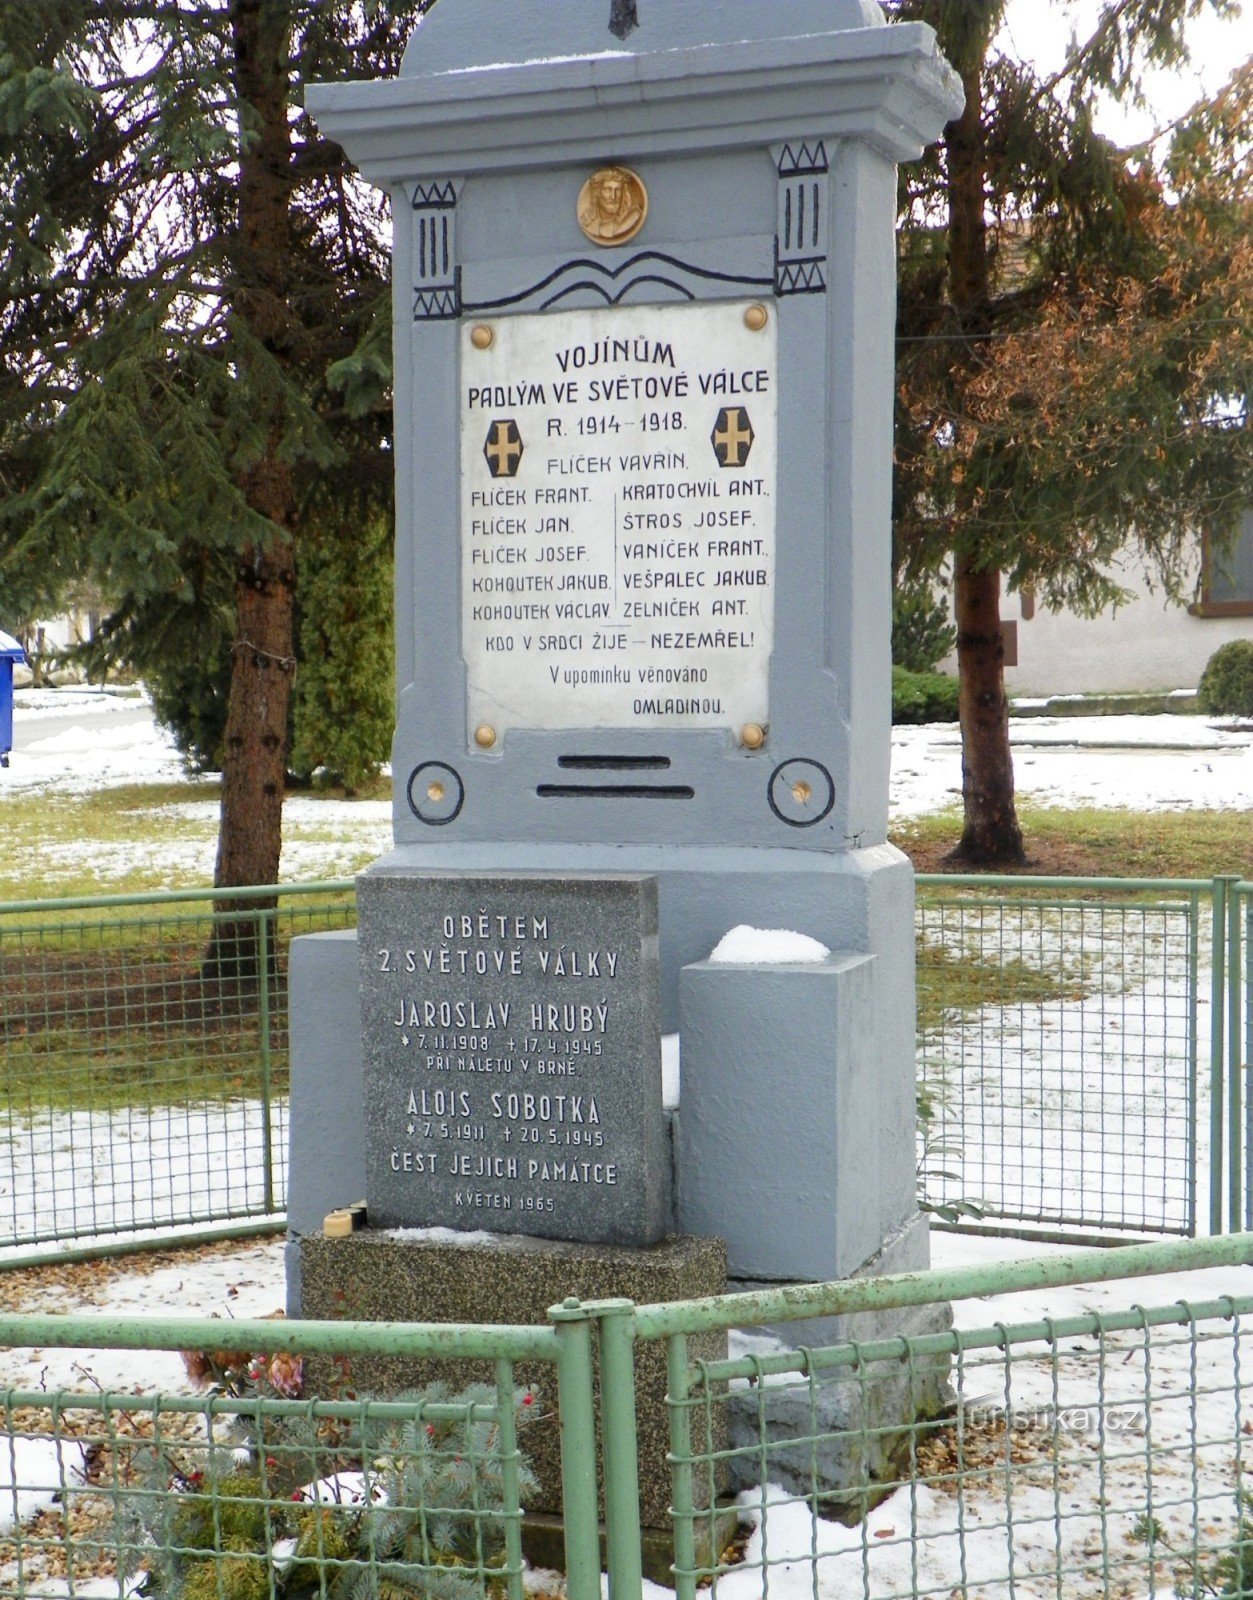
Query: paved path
30	727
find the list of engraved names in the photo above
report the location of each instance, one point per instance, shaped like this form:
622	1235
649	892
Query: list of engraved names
617	517
513	1051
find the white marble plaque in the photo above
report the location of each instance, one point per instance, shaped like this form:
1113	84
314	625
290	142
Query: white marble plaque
617	517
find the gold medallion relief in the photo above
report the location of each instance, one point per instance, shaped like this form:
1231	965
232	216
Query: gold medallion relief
613	205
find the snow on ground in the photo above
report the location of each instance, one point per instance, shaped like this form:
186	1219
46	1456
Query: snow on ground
84	1175
230	1285
75	741
49	1464
79	739
1154	763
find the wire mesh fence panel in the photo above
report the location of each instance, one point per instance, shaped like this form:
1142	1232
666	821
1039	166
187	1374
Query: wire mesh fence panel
242	1499
278	1478
1057	1051
1101	1457
144	1065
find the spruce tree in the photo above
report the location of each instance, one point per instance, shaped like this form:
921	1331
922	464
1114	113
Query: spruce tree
193	261
1074	349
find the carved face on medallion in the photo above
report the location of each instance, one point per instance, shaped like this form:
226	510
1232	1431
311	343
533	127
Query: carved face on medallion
613	204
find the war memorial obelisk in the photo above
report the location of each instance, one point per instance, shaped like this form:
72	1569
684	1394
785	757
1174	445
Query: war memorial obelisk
644	306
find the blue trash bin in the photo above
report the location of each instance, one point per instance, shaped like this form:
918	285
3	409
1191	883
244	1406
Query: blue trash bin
10	653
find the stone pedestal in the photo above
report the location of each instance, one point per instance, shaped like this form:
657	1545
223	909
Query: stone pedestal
544	639
377	1276
859	903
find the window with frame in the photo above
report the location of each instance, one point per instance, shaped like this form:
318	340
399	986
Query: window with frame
1227	574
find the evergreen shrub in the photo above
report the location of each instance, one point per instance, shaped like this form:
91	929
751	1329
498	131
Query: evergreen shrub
1226	687
923	696
344	685
296	1506
922	633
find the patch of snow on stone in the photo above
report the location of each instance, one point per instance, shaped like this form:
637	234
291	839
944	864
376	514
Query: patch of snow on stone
670	1071
766	947
443	1236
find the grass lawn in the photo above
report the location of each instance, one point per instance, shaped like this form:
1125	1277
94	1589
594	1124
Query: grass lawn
1101	844
141	837
137	838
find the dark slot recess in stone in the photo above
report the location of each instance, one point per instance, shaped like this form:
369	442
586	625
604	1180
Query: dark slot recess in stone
615	763
615	791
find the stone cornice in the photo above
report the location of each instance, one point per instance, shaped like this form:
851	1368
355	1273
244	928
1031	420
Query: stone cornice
889	87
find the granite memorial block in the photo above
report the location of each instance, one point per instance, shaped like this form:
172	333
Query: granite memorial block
511	1055
375	1275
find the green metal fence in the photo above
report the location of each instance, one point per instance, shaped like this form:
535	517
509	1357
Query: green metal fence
1097	1454
1100	1452
1083	1046
1243	1001
1081	1054
143	1058
246	1495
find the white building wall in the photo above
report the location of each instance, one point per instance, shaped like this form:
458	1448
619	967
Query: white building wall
1149	644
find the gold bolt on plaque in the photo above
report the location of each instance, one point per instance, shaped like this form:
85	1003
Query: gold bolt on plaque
752	736
485	737
482	337
756	318
802	793
613	205
435	792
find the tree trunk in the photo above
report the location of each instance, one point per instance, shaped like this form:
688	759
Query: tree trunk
263	663
991	836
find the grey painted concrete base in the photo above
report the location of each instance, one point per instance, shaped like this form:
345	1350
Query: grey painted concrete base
846	1435
779	1124
856	902
326	1121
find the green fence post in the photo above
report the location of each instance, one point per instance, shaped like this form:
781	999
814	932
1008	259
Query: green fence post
619	1448
263	1001
682	1509
1217	1064
1194	968
578	1449
511	1493
1235	1076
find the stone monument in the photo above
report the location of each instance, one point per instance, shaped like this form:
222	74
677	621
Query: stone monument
644	315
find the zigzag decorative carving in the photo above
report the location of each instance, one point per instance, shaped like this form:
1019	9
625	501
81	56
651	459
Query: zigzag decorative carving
437	305
801	277
799	248
613	284
434	196
437	293
802	160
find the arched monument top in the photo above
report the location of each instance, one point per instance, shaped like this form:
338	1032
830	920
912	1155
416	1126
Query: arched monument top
468	34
